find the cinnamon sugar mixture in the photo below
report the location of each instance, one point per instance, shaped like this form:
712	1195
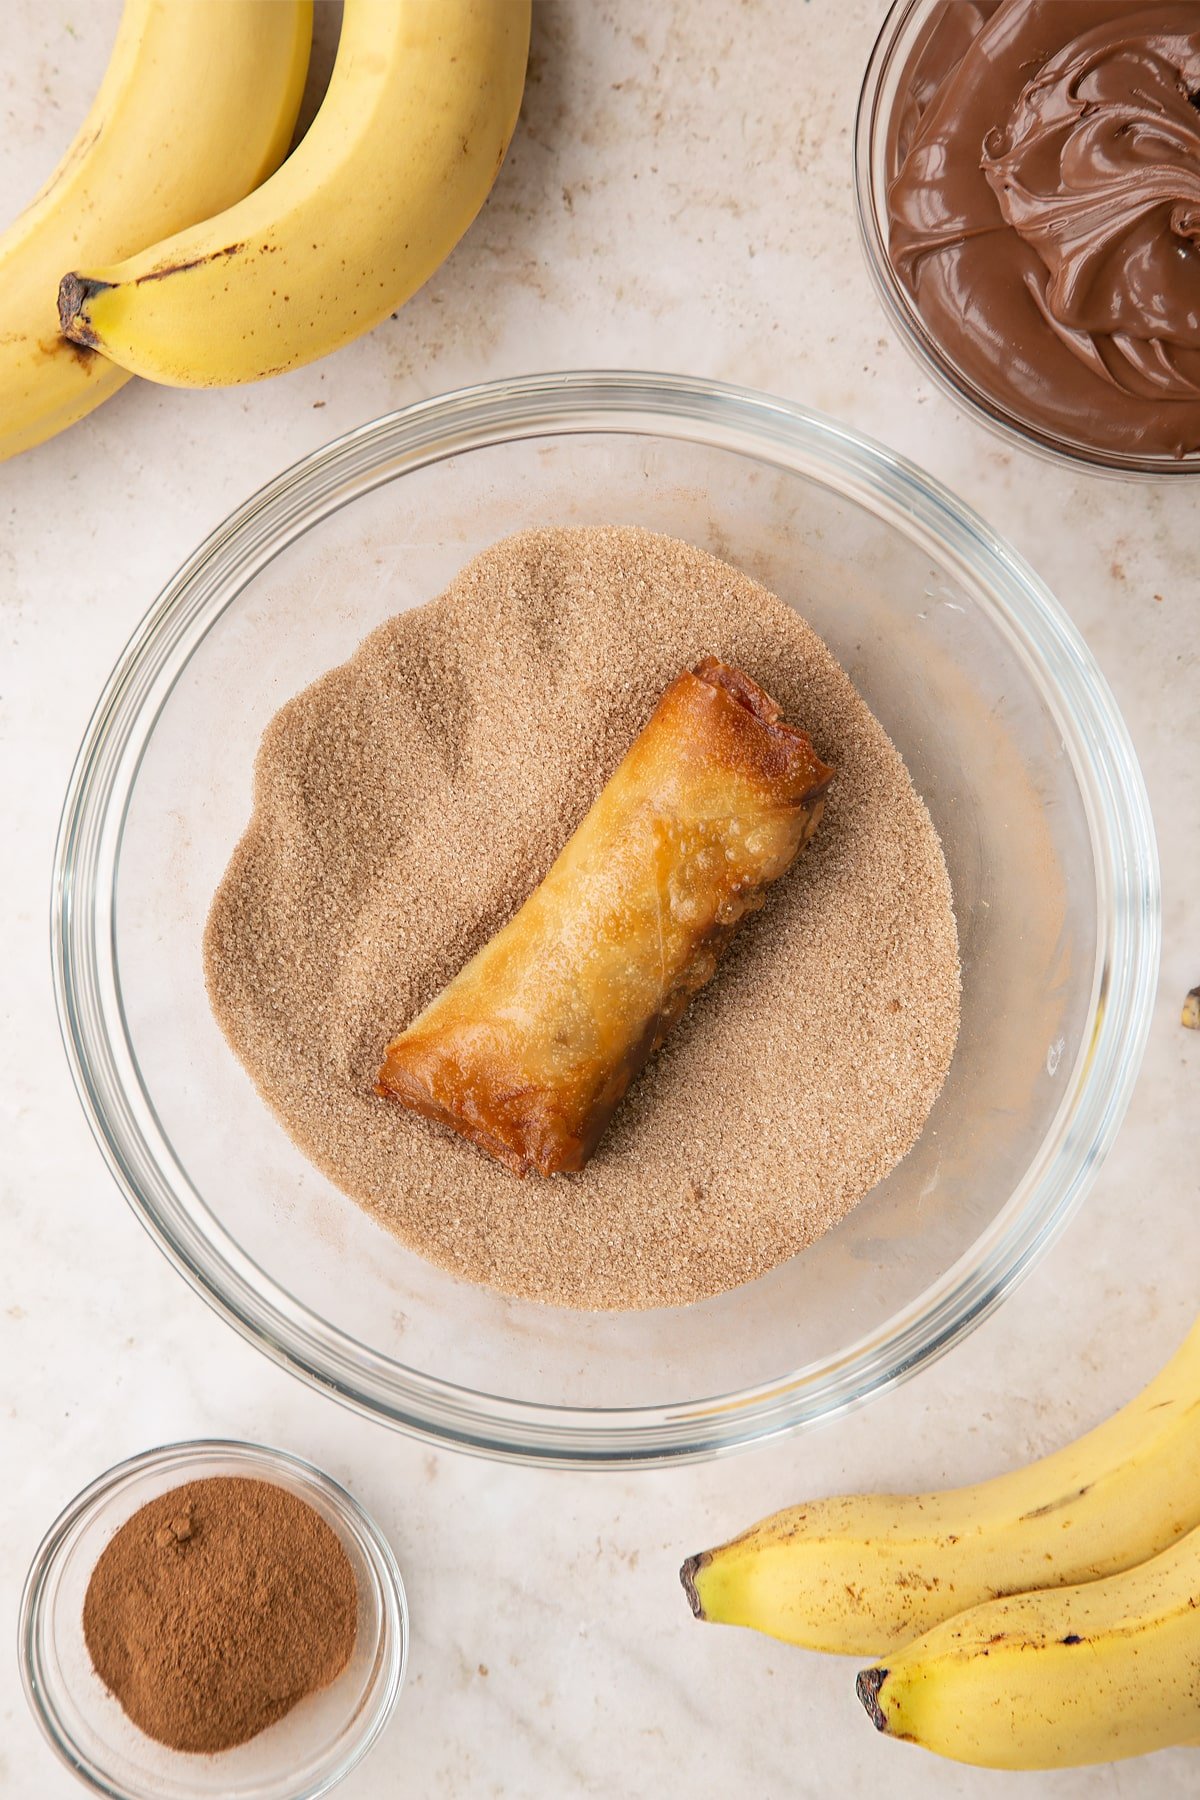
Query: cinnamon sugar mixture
407	803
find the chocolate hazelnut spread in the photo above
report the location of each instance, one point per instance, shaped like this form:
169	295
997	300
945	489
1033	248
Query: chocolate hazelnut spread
1045	212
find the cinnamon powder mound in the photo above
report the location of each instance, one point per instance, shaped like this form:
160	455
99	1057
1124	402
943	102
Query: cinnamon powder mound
216	1608
406	805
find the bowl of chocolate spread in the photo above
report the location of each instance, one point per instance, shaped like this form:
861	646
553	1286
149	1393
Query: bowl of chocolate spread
1028	177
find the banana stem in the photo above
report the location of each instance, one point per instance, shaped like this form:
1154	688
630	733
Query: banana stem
867	1688
687	1576
74	292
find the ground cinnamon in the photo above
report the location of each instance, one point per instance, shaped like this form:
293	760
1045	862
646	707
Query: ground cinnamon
216	1608
409	803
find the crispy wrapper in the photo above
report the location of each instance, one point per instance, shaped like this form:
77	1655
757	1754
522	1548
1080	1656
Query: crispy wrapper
528	1050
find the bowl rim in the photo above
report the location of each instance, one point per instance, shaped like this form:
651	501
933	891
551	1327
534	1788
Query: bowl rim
261	1461
907	321
807	444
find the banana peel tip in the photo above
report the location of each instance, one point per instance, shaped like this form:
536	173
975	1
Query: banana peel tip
74	292
867	1686
687	1576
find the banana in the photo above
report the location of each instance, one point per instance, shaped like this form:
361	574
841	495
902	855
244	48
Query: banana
1055	1679
862	1574
420	108
197	105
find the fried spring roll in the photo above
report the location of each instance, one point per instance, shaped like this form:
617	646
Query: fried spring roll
529	1049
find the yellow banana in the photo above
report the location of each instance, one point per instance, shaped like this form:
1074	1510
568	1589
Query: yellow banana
421	105
197	106
864	1573
1055	1679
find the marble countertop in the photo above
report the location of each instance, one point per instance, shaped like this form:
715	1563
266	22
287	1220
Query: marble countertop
679	197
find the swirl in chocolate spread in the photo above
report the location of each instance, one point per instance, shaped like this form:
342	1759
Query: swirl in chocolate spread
1045	212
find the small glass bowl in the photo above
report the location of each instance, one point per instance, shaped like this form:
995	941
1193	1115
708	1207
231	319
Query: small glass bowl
906	24
304	1754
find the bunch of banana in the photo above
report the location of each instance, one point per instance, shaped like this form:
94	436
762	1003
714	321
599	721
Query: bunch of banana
976	1596
408	140
171	243
196	108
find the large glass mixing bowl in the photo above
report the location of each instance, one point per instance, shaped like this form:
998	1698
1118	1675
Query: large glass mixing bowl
1011	736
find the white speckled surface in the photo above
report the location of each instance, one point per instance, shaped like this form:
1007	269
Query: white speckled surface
679	196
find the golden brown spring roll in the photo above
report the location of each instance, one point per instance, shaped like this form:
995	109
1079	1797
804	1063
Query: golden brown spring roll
529	1049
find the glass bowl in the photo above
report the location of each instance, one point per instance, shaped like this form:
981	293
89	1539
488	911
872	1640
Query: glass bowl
901	39
1011	736
304	1754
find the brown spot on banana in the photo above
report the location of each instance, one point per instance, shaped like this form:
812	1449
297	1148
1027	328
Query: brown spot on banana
1040	1512
54	349
195	262
71	161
